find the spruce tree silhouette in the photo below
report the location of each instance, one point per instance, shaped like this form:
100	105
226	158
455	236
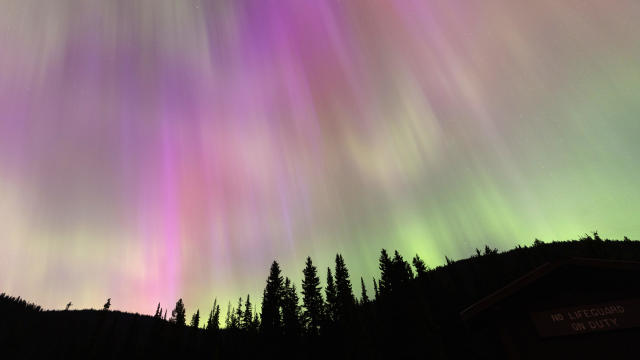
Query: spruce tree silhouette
393	273
489	251
178	315
271	322
247	316
311	299
238	316
376	293
213	322
364	299
344	292
385	266
107	305
596	236
68	306
209	324
12	304
158	313
421	268
401	270
447	260
228	320
256	319
290	309
332	298
195	319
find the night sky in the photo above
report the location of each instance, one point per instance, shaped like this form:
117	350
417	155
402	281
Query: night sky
151	150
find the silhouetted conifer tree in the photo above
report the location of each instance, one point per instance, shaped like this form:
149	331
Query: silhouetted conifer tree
290	309
247	316
178	315
158	313
394	272
216	318
344	291
10	304
107	305
421	268
165	315
213	322
236	320
195	319
311	298
256	319
68	306
376	293
364	299
489	251
227	319
332	298
596	236
401	272
385	282
271	301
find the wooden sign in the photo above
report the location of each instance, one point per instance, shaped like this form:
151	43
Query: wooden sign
588	318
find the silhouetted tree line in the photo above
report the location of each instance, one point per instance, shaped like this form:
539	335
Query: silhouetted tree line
17	304
413	309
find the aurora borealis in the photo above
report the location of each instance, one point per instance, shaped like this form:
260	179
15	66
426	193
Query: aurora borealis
151	150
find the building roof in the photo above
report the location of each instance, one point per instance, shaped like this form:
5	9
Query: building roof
539	273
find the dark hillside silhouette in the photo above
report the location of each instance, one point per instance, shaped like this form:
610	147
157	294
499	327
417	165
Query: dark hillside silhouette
414	311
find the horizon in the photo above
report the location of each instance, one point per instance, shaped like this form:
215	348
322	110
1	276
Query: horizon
164	309
151	151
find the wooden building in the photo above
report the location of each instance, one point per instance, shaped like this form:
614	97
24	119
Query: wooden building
570	309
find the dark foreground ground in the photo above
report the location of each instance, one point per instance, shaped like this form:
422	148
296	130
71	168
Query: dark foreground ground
420	319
